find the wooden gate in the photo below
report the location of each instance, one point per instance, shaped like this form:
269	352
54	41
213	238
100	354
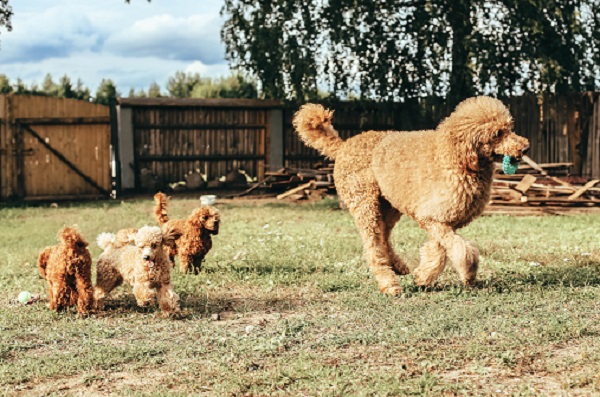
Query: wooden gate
54	148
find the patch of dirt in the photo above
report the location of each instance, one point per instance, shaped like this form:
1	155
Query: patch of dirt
100	383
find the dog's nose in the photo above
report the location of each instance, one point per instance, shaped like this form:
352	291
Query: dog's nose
146	257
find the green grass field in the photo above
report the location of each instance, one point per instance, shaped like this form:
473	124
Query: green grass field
300	315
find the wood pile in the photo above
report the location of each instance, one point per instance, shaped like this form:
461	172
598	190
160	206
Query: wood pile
543	188
297	184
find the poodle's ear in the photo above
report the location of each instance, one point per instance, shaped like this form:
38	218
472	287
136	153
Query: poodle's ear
170	234
471	161
43	260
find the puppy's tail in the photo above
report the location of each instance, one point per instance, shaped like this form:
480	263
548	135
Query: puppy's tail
71	236
313	123
160	211
43	260
106	241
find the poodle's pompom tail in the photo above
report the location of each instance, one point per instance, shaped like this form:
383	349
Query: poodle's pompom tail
160	211
313	123
106	240
70	235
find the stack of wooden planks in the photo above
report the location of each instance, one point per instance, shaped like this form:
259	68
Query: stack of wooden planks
543	188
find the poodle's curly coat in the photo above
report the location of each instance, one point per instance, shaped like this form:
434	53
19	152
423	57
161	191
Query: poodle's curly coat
441	178
144	265
196	233
67	267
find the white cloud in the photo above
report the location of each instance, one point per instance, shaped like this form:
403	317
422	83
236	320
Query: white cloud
196	37
134	45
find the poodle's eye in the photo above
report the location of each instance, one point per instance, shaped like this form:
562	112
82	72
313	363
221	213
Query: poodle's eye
499	134
153	245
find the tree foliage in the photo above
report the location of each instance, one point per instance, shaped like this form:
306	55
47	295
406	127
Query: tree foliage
192	85
395	49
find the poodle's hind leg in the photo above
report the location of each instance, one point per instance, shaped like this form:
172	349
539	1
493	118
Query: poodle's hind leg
390	217
85	298
107	279
168	300
368	219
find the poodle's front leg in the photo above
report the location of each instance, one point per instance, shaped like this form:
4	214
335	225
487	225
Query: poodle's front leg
186	263
168	299
144	294
464	256
433	261
445	243
197	261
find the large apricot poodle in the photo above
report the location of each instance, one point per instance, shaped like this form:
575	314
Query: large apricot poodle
196	233
441	178
67	267
144	265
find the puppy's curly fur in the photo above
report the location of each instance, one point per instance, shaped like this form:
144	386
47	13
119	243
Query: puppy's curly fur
144	265
67	268
441	178
196	233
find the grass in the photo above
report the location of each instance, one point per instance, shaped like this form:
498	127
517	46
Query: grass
300	315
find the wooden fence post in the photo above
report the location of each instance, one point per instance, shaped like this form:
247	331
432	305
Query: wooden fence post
126	148
276	139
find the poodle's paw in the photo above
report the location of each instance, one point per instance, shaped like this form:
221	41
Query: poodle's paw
400	267
392	290
422	279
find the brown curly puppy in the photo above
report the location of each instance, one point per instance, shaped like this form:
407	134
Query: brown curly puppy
196	236
67	267
144	265
441	178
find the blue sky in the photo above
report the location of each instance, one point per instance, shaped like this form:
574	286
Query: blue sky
132	44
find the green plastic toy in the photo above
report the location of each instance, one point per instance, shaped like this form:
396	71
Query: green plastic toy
508	167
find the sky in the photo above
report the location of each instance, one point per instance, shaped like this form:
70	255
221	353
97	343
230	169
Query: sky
133	44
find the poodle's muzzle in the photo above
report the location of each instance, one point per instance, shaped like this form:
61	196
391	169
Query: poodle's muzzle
148	254
514	146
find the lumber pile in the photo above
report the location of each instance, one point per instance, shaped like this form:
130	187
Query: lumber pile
542	188
297	184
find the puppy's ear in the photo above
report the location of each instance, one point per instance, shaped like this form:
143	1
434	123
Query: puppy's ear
43	260
170	234
471	161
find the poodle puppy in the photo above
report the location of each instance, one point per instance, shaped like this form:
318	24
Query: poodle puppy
196	236
144	265
440	178
67	267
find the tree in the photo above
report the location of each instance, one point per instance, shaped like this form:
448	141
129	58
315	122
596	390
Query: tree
192	85
5	87
390	50
154	90
6	14
107	92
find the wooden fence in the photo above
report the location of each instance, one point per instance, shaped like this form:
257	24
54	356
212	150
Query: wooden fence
53	147
173	138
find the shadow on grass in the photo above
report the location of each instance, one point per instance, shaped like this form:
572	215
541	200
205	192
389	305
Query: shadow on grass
584	274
